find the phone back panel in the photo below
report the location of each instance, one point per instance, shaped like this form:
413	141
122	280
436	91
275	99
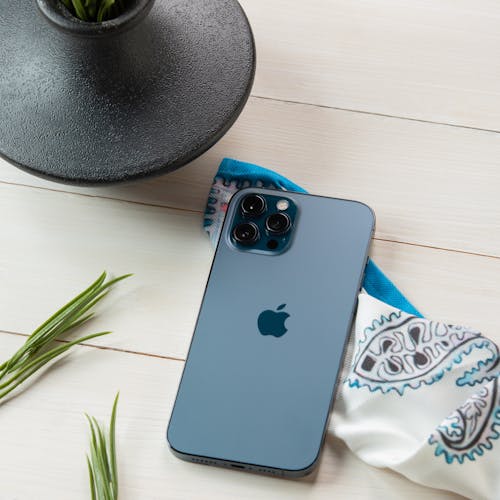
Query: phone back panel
259	399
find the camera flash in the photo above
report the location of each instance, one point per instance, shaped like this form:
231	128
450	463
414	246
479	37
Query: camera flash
282	205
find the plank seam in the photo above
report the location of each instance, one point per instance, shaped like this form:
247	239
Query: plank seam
199	212
375	113
443	249
134	202
103	348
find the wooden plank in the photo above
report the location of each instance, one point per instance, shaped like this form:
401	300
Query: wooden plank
423	60
61	238
53	244
44	439
428	184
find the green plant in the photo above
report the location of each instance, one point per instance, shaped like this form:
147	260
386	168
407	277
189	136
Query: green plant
103	472
41	346
95	10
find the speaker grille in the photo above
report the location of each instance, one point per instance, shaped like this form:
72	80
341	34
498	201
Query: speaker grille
238	466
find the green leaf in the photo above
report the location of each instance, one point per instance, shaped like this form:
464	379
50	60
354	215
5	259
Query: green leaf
112	447
30	368
104	9
96	10
96	462
43	345
91	479
102	468
80	10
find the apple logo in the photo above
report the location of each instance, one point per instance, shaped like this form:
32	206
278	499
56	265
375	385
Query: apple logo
272	322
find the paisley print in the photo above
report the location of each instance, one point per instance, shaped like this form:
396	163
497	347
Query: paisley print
471	429
403	351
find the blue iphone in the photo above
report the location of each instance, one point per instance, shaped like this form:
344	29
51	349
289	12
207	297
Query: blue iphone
268	346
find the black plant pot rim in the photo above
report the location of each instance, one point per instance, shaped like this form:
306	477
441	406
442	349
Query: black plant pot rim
57	13
91	110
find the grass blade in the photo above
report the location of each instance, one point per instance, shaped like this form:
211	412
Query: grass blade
91	479
39	337
80	10
39	347
103	454
61	313
96	10
112	447
39	362
47	356
74	308
104	8
102	468
96	461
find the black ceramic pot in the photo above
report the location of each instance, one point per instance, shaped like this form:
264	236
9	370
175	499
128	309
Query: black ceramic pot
142	94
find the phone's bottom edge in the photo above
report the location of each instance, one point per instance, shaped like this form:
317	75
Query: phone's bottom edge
258	469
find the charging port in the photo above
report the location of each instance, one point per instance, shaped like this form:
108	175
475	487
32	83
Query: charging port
237	466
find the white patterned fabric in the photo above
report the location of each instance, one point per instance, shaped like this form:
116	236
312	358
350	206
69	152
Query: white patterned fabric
422	398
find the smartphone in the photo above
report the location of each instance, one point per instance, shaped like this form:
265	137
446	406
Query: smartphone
268	346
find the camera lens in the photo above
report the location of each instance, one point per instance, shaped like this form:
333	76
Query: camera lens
246	233
278	223
253	205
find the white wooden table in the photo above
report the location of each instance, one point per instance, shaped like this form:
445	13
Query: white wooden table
395	103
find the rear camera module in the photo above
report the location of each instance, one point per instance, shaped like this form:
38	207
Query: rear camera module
253	205
246	233
278	223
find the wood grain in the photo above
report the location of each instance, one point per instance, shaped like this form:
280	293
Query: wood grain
44	434
435	61
52	244
428	184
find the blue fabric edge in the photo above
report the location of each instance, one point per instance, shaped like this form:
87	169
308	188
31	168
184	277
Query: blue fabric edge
375	283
